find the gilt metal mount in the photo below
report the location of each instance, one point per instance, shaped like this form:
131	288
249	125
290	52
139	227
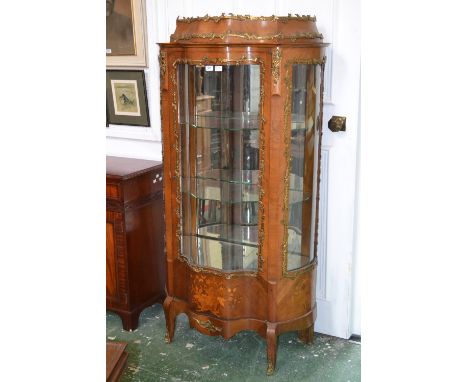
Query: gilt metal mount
336	124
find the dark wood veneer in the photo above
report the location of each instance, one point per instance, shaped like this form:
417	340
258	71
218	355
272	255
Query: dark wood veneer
135	261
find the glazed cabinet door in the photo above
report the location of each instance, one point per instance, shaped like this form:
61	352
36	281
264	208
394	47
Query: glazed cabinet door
303	129
219	116
215	132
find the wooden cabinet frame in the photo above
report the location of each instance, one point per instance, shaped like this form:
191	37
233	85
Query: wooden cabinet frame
271	300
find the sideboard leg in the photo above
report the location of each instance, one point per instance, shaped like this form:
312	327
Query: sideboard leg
129	320
170	319
272	345
306	335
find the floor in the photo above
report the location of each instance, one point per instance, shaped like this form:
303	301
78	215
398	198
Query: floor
195	357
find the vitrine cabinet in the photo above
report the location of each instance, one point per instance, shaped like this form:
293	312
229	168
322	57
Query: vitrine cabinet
241	101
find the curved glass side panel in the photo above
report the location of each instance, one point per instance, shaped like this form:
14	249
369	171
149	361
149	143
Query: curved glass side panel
218	112
303	163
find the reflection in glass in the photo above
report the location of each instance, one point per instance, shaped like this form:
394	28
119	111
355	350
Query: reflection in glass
218	113
303	163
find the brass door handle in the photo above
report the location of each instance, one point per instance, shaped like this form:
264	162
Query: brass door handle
336	123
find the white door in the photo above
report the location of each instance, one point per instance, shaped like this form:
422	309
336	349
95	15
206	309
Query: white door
339	22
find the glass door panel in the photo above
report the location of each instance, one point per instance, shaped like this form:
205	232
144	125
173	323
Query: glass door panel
218	111
303	163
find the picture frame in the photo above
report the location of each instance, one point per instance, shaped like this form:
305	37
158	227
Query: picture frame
126	33
126	99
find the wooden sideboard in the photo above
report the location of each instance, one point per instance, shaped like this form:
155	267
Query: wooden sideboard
135	259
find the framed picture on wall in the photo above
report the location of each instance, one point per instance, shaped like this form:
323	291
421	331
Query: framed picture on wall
125	33
127	103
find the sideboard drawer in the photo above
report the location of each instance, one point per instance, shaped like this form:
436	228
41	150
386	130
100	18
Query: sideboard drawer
142	186
157	181
113	191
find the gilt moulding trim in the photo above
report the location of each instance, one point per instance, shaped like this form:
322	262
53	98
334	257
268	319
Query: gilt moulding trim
232	16
207	325
275	65
247	36
162	65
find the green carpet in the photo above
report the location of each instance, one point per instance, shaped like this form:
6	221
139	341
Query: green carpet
195	357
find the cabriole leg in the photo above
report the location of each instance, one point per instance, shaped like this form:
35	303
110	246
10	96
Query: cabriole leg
129	320
306	335
272	346
170	319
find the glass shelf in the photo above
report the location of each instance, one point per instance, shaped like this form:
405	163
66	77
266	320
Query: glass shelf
231	176
233	121
297	260
226	192
231	193
218	254
298	126
298	123
229	115
231	233
304	89
222	126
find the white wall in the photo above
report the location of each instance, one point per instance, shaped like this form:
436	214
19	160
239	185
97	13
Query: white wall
144	142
